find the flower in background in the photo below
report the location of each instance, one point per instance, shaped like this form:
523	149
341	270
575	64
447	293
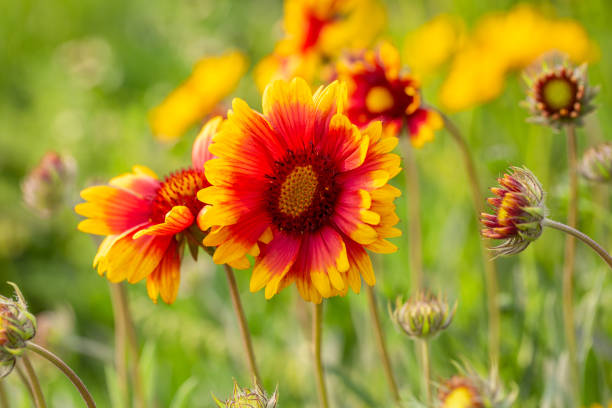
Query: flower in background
423	315
459	392
433	44
212	79
303	190
317	30
379	90
502	42
17	326
247	398
558	94
596	163
144	220
48	185
518	212
470	390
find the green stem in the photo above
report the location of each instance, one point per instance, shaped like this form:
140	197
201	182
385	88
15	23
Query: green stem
570	249
4	402
76	381
381	344
317	326
25	381
413	215
120	344
39	399
488	260
424	347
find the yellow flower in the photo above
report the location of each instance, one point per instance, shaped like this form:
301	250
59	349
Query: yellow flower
502	42
212	79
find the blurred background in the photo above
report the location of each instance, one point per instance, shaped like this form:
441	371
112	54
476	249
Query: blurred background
79	77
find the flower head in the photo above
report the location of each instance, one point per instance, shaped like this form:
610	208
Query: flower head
423	315
212	79
559	94
379	90
46	187
146	220
459	392
470	390
596	164
518	211
247	398
17	326
301	189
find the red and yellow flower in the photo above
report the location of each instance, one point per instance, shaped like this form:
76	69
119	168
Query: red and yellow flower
144	220
459	392
303	190
379	90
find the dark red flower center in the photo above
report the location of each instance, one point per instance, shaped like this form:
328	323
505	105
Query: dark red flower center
558	94
303	191
179	188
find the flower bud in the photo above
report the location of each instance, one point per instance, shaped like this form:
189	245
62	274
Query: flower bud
17	326
246	398
596	164
46	187
518	211
423	315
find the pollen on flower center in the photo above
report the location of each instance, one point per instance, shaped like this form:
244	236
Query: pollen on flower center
302	192
297	191
179	188
558	93
379	99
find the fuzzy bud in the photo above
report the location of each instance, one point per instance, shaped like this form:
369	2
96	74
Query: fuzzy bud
247	398
596	164
423	315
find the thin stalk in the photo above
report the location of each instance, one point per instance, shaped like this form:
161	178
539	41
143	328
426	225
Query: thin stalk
381	344
76	381
413	216
120	344
4	402
317	326
242	323
570	248
488	260
39	399
581	236
25	381
424	348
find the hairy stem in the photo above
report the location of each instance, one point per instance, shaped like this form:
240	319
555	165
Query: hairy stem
581	236
39	399
413	216
68	372
317	327
570	248
381	344
488	261
424	348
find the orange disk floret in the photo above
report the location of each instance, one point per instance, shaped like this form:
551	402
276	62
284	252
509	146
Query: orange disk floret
303	190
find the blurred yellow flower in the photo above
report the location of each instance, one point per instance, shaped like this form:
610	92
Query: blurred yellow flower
316	30
502	42
212	79
433	43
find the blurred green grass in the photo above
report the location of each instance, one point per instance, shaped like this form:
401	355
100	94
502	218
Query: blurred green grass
139	51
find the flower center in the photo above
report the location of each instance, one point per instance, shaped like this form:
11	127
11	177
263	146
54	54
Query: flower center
558	93
302	192
458	398
180	188
379	99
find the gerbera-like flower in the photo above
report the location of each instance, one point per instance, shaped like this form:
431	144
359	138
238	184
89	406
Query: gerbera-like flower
249	398
17	326
303	190
144	218
558	95
459	392
212	79
379	90
519	211
471	390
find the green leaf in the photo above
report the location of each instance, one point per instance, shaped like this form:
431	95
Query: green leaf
591	386
181	398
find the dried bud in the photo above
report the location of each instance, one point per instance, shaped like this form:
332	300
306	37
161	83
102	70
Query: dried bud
558	93
17	326
46	187
423	315
596	164
246	398
519	212
470	390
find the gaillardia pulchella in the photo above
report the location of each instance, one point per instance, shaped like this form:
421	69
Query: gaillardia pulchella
380	90
303	190
144	220
518	211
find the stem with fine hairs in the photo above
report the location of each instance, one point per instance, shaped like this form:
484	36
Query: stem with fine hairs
570	247
381	344
68	372
424	348
317	328
39	399
581	236
413	215
488	260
